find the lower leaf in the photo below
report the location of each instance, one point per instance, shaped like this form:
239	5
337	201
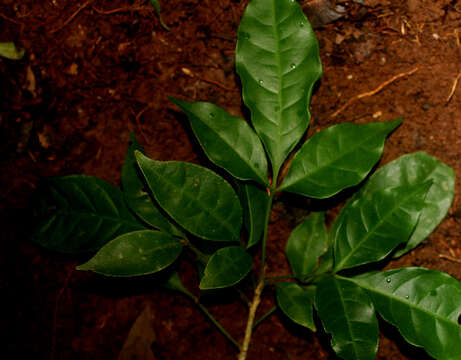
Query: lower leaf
423	304
136	253
349	316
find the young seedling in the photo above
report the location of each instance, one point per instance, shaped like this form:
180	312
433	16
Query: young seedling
167	207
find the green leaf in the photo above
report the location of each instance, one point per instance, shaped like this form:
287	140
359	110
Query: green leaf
227	140
156	6
423	304
226	267
137	198
416	169
374	225
8	50
336	158
296	303
174	283
81	213
349	316
254	202
277	58
307	242
136	253
196	198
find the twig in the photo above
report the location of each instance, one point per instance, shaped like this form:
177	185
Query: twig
373	92
71	17
451	258
217	83
138	124
122	9
265	316
10	19
453	88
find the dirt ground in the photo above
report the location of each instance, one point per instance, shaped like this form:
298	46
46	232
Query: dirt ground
96	69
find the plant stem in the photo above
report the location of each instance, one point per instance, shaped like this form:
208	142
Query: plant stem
265	316
215	322
250	321
201	256
266	226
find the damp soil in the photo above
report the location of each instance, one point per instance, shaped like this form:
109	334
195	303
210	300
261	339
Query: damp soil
95	70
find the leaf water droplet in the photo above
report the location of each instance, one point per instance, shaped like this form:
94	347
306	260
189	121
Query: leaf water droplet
407	297
301	24
388	280
212	115
293	66
244	35
261	82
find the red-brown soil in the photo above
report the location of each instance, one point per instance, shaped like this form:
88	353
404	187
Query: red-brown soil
94	70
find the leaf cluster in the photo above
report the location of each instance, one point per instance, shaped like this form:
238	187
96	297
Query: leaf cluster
165	207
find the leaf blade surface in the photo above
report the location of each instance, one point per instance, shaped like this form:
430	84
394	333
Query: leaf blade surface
296	303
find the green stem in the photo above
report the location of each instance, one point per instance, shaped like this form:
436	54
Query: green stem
201	256
215	322
266	227
264	317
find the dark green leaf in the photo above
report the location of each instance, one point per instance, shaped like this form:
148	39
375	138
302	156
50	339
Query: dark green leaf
349	316
277	58
10	51
136	196
416	169
336	158
296	303
136	253
306	244
227	140
174	282
254	202
226	267
196	198
375	225
81	213
156	6
424	305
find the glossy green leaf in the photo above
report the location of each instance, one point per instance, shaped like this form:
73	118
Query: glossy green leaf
348	315
196	198
254	202
423	304
228	141
277	58
226	267
375	225
136	196
416	169
81	213
10	51
307	242
336	158
297	303
136	253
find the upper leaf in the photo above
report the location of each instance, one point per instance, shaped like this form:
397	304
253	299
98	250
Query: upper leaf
196	198
136	253
227	140
416	169
349	316
255	201
136	196
277	58
307	242
424	305
81	213
226	267
336	158
374	225
297	303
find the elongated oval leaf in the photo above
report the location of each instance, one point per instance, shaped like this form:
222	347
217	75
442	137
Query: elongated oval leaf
297	303
10	51
423	304
81	213
349	316
416	169
137	197
226	267
227	140
254	202
307	242
277	58
336	158
196	198
375	225
136	253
